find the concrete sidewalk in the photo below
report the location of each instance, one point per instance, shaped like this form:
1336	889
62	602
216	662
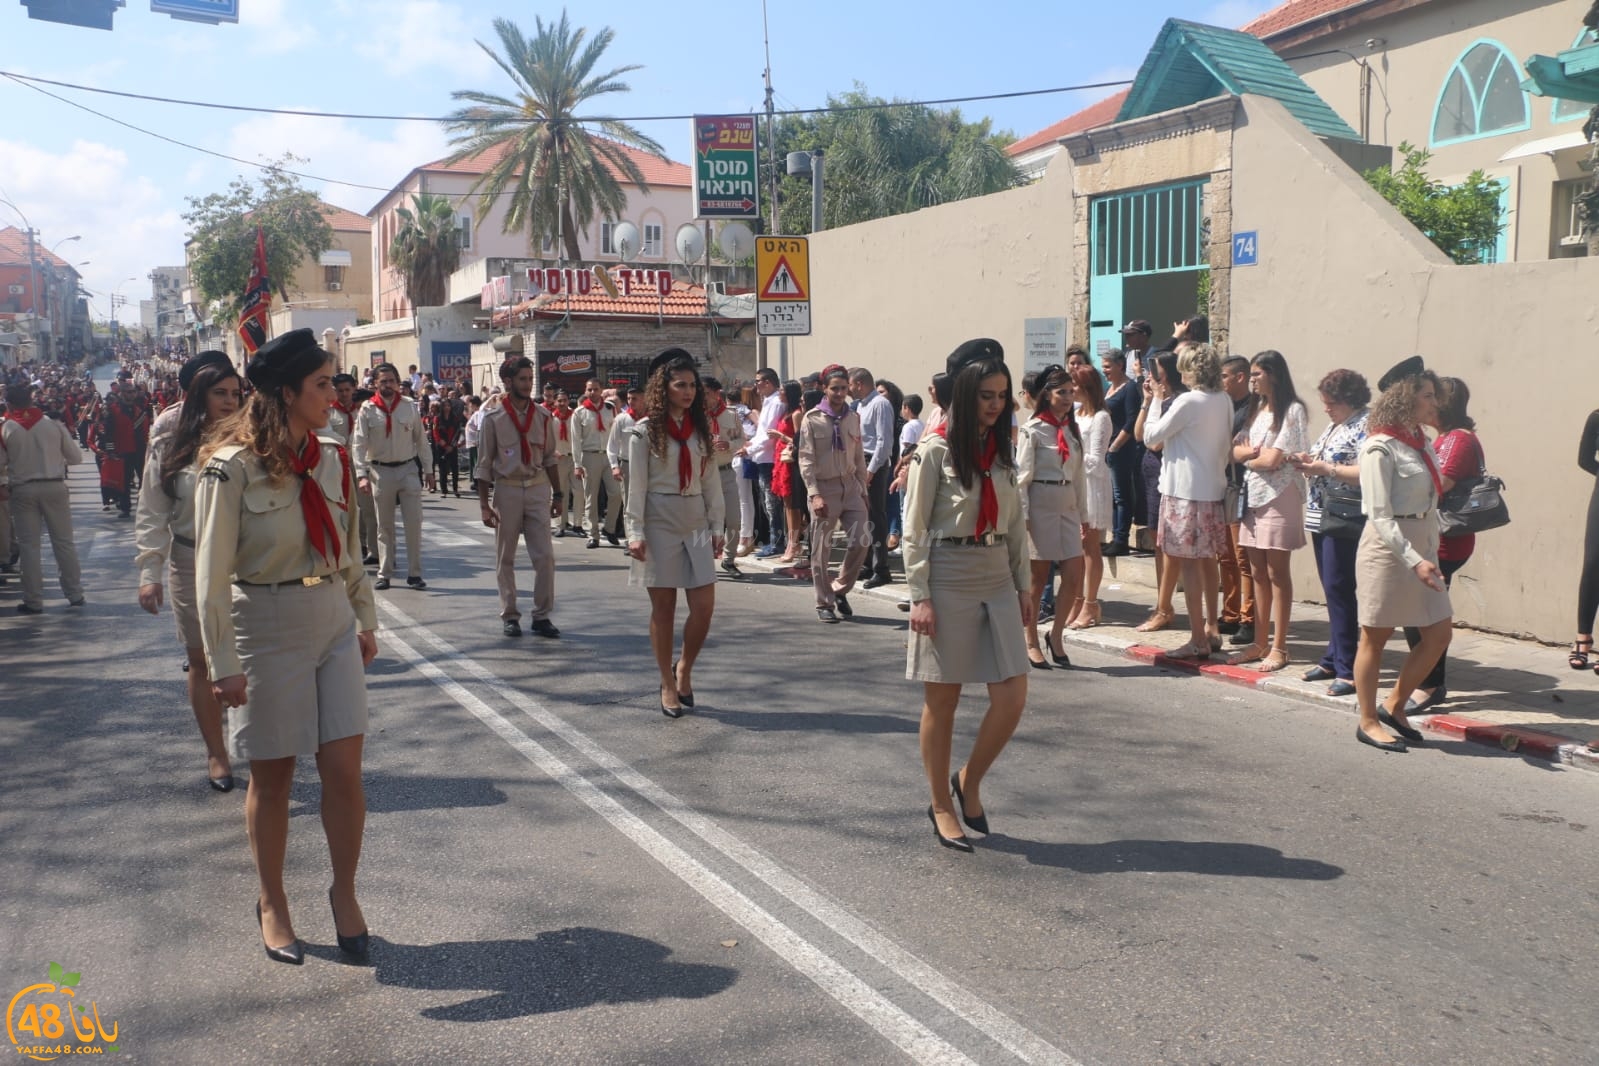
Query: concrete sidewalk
1513	694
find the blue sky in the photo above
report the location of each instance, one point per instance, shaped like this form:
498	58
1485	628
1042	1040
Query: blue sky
73	173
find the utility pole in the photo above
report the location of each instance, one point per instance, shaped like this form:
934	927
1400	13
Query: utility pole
33	293
763	356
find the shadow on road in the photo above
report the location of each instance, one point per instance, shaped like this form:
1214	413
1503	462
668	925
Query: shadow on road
560	970
1166	856
392	793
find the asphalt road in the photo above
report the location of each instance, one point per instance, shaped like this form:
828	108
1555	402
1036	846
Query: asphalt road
556	873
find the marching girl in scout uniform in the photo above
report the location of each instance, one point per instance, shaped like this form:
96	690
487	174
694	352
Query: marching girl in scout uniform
970	584
676	517
287	621
165	536
727	441
1049	468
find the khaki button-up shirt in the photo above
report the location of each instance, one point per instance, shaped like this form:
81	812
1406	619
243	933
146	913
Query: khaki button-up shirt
937	506
1038	459
649	473
616	440
1394	480
252	529
587	434
730	429
161	517
375	443
42	453
338	429
820	461
499	452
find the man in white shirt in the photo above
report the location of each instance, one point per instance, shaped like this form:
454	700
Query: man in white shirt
877	437
763	451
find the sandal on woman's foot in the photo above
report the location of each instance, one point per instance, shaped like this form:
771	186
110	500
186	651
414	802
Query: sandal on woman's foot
1189	652
1275	660
1252	654
1089	618
1157	621
1580	650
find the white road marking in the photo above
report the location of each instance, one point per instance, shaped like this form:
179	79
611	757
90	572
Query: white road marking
905	1032
961	1002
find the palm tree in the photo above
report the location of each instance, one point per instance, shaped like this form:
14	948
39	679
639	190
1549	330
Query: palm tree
427	249
558	172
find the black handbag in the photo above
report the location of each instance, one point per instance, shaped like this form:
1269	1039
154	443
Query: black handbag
1341	515
1474	505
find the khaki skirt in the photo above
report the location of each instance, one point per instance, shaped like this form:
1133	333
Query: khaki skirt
180	590
302	666
1054	531
978	619
677	543
1391	595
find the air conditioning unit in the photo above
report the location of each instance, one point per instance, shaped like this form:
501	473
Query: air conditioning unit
335	286
16	290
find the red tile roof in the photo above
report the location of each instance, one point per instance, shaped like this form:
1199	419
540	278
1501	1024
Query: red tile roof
1296	12
14	251
656	170
1102	113
349	221
686	300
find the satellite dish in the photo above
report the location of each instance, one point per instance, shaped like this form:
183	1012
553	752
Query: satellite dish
690	244
736	241
624	238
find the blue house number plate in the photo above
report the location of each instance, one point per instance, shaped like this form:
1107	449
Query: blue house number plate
1246	249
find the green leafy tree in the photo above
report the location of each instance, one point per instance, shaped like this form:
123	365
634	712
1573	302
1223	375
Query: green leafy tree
426	250
222	234
883	160
1463	220
554	166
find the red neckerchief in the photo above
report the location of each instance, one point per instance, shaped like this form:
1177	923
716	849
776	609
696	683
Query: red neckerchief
682	432
564	414
1417	440
388	412
988	506
521	429
27	418
337	406
1047	416
633	413
714	415
599	414
319	524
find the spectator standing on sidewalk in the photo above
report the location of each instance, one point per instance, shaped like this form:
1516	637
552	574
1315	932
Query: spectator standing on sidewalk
765	447
876	413
35	452
727	444
164	533
1460	458
1335	460
970	583
675	518
1396	562
1098	508
1159	369
389	444
748	475
1136	353
1125	454
1273	527
834	468
1237	586
1054	492
1588	583
518	464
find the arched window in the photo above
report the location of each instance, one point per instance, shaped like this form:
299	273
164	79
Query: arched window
1481	97
1571	110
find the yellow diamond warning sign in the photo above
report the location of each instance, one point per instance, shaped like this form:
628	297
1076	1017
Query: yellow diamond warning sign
783	300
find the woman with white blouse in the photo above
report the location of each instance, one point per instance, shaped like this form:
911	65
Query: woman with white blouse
1194	431
1273	527
1054	489
674	516
1099	507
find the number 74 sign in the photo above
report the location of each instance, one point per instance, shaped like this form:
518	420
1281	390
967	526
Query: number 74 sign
1246	249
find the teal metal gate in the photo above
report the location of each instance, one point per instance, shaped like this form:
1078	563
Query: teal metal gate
1141	234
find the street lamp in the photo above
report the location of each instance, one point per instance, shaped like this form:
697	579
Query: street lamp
116	301
64	240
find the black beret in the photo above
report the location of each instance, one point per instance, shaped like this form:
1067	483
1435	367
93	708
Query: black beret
199	363
285	359
669	356
973	351
1407	369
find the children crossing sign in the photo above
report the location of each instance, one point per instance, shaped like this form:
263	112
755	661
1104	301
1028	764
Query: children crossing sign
783	300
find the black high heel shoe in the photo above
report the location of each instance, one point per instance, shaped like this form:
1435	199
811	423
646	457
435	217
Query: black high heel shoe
959	843
672	712
357	946
979	824
293	954
685	698
1059	656
221	784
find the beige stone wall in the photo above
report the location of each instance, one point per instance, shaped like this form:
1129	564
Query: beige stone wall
899	294
1344	281
308	288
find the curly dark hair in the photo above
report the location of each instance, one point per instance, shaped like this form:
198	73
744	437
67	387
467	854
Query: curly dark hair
657	407
1347	387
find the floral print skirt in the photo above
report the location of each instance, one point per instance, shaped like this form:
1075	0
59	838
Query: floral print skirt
1192	529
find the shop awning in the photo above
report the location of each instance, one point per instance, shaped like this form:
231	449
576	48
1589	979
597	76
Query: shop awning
1546	146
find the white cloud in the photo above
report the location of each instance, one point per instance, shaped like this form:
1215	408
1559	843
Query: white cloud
269	28
418	35
341	150
1232	14
127	224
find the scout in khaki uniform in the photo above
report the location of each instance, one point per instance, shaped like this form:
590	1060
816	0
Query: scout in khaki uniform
164	532
167	420
616	442
1054	488
559	405
35	452
966	566
675	518
727	441
591	423
833	463
390	441
341	431
287	621
517	458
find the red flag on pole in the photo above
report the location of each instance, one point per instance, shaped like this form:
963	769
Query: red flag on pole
257	299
